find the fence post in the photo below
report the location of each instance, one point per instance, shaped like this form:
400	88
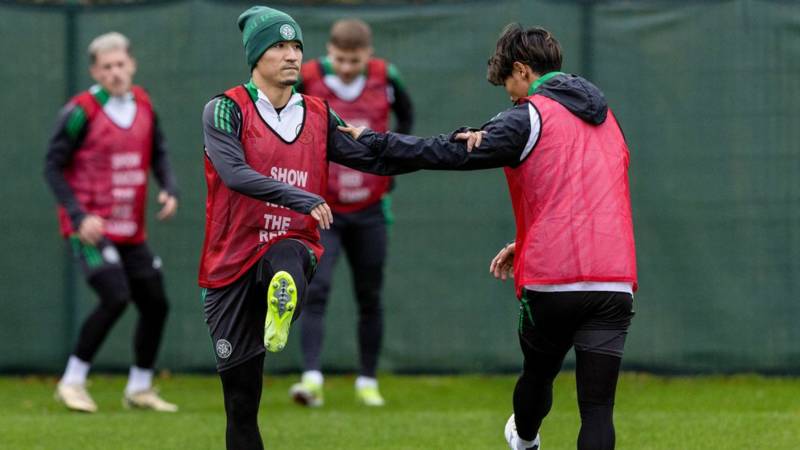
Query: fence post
70	87
587	38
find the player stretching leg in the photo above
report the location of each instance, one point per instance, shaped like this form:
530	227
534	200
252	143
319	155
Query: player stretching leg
267	151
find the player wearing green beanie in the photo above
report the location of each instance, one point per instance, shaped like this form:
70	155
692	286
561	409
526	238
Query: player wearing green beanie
267	152
263	27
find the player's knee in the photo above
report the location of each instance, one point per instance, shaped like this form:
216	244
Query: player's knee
112	288
114	305
368	293
159	308
285	250
369	306
595	403
540	373
318	291
314	307
536	381
150	296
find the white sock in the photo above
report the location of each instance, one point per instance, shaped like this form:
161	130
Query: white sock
139	380
313	377
522	444
366	382
76	371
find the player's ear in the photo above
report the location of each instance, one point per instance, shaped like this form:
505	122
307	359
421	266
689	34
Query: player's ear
519	70
133	66
523	72
94	71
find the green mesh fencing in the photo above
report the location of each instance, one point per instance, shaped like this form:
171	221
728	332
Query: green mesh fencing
708	95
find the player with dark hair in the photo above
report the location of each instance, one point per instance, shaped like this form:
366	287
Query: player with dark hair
267	149
362	89
573	259
106	141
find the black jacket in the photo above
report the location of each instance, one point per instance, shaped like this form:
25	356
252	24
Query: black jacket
508	134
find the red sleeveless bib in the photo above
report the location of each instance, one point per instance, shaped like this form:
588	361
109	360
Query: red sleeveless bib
240	229
572	203
108	173
349	190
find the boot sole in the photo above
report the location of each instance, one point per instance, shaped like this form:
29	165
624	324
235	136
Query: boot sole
281	304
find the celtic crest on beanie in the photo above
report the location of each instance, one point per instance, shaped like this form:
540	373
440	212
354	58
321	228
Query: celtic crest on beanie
263	27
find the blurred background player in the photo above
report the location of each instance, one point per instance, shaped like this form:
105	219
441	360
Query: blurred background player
573	259
105	143
362	89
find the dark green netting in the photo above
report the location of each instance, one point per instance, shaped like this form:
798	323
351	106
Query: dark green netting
708	95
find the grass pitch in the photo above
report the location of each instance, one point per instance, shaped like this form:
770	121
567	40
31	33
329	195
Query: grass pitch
426	413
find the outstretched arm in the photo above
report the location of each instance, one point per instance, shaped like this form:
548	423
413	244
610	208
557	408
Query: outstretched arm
509	138
345	150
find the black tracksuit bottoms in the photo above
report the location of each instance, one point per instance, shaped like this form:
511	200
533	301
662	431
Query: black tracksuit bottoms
363	237
551	323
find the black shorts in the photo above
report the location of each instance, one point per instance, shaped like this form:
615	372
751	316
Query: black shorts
136	260
553	322
235	313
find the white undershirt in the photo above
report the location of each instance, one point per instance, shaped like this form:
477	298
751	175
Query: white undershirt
605	286
120	109
347	92
536	128
287	124
351	91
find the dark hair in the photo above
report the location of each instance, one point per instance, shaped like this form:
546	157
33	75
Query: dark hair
536	47
351	34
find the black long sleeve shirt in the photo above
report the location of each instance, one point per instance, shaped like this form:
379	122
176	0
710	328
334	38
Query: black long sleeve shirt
509	139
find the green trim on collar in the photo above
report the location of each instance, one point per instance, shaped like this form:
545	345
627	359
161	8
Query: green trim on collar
100	94
542	80
253	90
327	67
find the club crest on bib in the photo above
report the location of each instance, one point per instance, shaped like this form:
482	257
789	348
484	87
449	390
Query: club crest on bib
224	349
287	32
110	255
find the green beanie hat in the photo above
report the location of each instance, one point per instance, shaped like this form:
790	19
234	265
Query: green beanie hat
262	28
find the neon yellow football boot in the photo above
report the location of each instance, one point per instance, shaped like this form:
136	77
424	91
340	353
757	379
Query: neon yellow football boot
369	396
307	393
281	303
